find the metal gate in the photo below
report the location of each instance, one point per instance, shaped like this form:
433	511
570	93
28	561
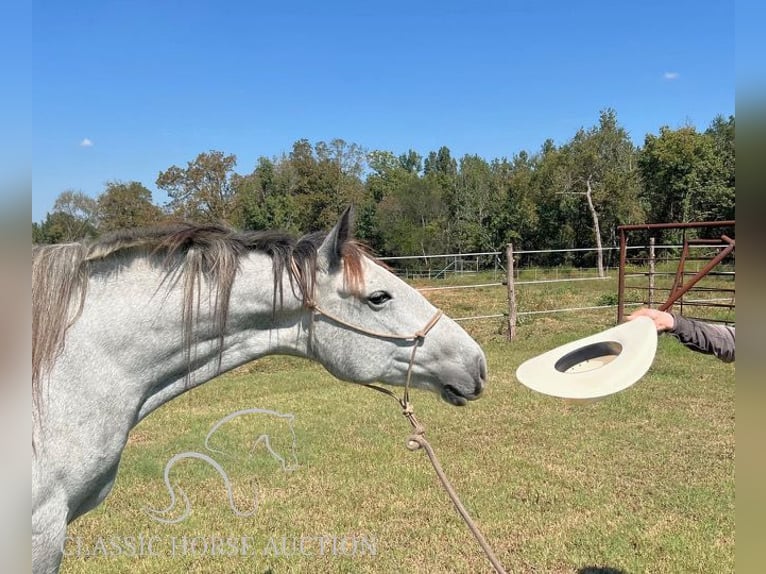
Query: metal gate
706	292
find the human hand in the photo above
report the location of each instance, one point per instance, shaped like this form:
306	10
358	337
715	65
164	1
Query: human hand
662	320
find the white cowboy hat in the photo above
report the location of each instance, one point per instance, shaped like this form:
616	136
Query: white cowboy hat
596	366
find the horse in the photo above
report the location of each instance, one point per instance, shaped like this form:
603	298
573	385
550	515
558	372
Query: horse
125	323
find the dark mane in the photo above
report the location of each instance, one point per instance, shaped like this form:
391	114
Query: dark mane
211	252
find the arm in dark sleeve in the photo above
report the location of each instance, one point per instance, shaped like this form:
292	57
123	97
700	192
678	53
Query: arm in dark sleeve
704	337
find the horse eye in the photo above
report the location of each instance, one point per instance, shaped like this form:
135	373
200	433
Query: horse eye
379	297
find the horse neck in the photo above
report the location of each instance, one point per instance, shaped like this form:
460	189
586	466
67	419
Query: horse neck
144	338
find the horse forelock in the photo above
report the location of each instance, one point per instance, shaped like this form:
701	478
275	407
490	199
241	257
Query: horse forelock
354	253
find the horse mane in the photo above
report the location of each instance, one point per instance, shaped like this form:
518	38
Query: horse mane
60	275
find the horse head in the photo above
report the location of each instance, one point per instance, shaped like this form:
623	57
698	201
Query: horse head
366	322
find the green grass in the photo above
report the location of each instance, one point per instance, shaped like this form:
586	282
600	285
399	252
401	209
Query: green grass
642	481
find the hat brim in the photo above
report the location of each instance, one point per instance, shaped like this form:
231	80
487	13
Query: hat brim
596	366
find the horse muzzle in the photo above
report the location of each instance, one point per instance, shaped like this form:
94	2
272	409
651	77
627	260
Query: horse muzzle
459	396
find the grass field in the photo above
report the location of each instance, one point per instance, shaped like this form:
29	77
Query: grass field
642	481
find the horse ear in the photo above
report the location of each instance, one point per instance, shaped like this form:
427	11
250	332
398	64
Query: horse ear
330	252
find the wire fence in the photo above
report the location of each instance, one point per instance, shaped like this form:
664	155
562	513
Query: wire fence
455	272
543	261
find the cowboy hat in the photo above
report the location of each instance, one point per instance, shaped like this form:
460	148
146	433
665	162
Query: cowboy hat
595	366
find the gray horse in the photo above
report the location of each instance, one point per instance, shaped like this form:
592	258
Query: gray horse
122	325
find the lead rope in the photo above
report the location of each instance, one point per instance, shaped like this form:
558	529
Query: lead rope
417	439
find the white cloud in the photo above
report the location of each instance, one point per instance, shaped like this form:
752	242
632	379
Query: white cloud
670	75
86	143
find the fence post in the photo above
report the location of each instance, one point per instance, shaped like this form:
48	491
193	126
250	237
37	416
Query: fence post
621	275
511	294
651	272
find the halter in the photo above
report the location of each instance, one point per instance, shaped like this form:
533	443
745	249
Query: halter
417	338
417	439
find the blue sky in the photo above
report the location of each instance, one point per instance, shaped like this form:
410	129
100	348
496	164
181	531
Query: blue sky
123	90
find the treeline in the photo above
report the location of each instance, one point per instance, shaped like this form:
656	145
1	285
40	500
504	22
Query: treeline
572	195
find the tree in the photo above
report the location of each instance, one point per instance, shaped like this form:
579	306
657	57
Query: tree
440	162
556	227
719	203
413	219
722	131
687	175
567	196
38	235
126	205
411	161
440	171
601	166
323	180
515	186
410	213
265	197
305	190
341	166
203	190
388	177
74	217
473	205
